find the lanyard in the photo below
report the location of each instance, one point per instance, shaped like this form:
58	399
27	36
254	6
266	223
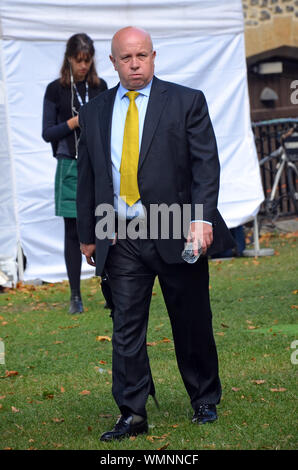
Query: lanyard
79	96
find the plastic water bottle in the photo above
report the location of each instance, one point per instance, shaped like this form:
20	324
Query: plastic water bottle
188	253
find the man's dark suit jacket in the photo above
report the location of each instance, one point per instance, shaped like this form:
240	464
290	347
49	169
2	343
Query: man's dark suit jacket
178	163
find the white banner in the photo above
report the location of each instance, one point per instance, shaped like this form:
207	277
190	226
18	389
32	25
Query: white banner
199	44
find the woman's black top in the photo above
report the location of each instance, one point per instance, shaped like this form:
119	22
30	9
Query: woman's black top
57	110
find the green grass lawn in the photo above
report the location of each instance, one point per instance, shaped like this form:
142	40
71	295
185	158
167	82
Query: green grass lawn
61	396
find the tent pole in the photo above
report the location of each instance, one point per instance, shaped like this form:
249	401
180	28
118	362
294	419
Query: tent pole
257	251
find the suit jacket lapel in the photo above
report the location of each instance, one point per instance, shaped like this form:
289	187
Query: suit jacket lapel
105	123
157	101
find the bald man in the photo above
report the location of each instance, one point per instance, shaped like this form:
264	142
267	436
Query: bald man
162	134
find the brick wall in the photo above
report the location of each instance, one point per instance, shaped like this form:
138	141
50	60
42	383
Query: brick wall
270	24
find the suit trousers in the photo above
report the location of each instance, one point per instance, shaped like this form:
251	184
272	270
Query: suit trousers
132	266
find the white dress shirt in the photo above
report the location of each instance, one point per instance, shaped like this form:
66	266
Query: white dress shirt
118	123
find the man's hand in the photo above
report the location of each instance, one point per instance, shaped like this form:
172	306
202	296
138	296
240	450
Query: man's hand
200	234
89	252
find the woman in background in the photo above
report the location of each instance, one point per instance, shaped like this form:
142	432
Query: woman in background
78	83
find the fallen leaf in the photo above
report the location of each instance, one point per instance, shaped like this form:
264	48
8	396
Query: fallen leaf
235	389
152	344
85	392
280	389
164	446
251	327
295	291
154	438
48	395
102	362
103	338
209	446
220	333
62	389
11	373
2	396
58	420
58	342
294	306
132	438
259	382
166	340
224	326
14	409
291	235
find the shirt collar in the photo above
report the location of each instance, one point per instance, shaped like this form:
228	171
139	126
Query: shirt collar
144	91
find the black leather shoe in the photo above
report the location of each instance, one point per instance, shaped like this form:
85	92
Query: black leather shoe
205	414
125	427
76	305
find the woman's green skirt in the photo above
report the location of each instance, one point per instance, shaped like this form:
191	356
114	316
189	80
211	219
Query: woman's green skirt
66	187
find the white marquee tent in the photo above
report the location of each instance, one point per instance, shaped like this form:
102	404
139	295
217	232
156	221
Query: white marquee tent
199	43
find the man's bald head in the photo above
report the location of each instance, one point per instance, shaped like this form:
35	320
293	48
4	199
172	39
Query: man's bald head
133	57
127	33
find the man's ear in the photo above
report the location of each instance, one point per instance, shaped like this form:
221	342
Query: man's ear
112	59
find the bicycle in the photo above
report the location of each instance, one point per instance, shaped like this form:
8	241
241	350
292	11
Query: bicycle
286	167
284	170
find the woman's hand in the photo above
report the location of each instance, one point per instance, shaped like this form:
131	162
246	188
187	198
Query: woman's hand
73	123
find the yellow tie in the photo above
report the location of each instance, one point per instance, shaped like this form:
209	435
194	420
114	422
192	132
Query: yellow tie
129	189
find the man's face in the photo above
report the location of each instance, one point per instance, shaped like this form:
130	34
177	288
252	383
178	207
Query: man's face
133	58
